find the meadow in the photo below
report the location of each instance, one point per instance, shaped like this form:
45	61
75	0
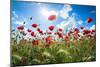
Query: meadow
55	47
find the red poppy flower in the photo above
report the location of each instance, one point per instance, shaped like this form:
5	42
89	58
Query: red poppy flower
60	35
89	20
52	17
51	28
32	33
81	27
70	32
29	30
55	33
60	29
41	32
20	28
48	39
92	30
89	31
76	30
83	33
66	38
34	42
34	25
49	33
86	31
38	29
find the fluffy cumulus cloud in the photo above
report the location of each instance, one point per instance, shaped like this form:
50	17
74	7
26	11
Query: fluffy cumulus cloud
92	27
23	20
70	21
64	13
19	22
68	24
46	13
62	25
15	19
14	15
80	22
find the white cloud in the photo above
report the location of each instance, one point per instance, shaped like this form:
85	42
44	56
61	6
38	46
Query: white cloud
47	13
62	24
19	22
93	27
68	24
14	14
64	13
80	22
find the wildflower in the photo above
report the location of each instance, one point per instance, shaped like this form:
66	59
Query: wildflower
51	28
52	17
32	33
55	33
66	38
38	29
49	32
76	30
70	32
92	30
34	42
81	27
29	30
60	35
34	25
86	31
89	20
41	32
60	29
83	33
48	39
20	28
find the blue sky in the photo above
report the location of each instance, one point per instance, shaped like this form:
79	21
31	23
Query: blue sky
71	16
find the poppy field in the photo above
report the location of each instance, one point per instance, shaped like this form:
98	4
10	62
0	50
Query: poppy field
35	43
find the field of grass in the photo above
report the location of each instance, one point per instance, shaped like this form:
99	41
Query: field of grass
25	53
52	47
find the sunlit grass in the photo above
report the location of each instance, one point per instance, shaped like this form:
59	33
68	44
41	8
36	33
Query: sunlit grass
79	51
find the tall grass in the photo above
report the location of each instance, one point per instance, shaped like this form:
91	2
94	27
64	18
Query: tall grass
83	50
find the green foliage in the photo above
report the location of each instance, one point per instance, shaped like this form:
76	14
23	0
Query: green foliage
79	51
